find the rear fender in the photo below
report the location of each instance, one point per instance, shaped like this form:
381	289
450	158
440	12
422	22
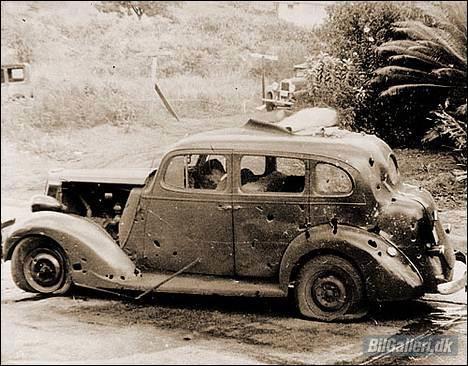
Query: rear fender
95	258
385	277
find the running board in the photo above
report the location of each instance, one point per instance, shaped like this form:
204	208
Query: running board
197	284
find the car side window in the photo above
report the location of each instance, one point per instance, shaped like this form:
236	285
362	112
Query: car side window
332	180
260	174
194	171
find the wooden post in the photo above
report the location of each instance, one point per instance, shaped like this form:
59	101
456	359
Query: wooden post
263	78
263	57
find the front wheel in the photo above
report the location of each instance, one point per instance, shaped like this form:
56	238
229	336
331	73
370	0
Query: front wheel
39	265
329	288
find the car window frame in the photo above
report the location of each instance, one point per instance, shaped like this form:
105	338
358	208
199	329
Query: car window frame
237	186
313	188
158	180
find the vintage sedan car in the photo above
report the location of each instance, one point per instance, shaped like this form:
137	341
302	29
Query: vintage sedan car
299	207
285	93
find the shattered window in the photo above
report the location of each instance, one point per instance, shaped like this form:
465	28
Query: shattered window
331	180
193	171
261	174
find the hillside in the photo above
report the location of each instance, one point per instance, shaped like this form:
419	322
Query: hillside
91	67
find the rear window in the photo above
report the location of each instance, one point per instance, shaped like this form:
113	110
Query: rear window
260	174
332	180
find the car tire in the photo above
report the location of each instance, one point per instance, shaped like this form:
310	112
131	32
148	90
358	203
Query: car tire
329	288
270	107
39	265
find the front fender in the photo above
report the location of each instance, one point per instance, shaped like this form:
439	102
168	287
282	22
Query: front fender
385	277
95	258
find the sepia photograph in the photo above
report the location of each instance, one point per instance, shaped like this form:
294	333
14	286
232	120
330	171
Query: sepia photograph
233	182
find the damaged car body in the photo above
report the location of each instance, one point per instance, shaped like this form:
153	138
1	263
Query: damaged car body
266	209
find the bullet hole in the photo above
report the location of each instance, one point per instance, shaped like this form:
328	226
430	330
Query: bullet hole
372	243
24	20
371	162
113	66
270	266
302	208
413	238
334	224
379	187
84	260
174	253
122	278
413	226
77	266
379	254
393	199
259	208
156	243
270	217
253	243
136	272
84	271
111	277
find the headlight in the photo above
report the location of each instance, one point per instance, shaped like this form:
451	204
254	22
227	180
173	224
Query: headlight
292	88
275	86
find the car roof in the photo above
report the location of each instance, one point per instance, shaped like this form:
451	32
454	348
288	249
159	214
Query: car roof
316	140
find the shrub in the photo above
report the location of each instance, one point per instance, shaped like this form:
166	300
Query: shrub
353	31
332	82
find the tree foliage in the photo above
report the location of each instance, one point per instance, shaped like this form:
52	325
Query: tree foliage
353	32
430	62
138	8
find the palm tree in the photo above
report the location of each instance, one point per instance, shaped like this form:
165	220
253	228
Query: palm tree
431	59
429	63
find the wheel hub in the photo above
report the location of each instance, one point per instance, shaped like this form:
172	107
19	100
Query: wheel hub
329	293
43	270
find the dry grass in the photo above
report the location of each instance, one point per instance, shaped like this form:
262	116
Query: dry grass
91	68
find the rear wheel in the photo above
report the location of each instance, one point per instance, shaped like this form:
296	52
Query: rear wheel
39	265
329	288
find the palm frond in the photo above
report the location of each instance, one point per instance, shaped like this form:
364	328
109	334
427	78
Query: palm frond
415	89
411	62
416	30
388	51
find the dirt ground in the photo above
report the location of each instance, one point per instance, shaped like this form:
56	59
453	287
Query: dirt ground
87	327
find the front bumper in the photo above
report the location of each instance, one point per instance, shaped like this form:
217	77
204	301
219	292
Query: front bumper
278	102
459	281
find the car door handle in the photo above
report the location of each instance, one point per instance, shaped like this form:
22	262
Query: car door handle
224	207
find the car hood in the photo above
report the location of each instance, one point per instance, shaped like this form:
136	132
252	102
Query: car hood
132	176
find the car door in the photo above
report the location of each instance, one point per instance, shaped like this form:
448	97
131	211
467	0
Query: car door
189	214
270	208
